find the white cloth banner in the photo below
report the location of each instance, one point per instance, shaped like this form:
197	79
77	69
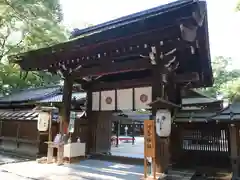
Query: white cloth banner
125	99
108	100
163	123
143	96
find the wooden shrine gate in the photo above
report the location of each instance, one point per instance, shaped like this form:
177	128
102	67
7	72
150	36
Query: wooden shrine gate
146	57
202	145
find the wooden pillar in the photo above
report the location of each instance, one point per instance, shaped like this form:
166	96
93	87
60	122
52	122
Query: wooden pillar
91	124
67	98
1	126
103	131
133	132
234	150
118	132
176	143
162	144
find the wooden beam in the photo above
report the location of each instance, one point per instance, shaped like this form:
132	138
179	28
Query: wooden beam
186	77
120	84
163	104
72	51
113	68
147	81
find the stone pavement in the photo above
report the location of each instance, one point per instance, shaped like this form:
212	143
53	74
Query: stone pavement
129	150
85	170
10	176
6	159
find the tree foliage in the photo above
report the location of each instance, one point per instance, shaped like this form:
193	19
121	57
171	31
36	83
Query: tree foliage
226	79
26	25
238	6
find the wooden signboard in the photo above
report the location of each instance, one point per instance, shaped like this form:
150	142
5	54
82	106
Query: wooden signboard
149	146
149	138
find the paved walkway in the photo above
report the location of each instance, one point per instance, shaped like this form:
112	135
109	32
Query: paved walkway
6	159
85	170
129	150
10	176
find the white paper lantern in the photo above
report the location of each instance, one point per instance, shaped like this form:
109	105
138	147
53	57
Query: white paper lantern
163	123
43	121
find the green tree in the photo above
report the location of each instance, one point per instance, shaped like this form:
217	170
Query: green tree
26	25
226	79
238	6
231	89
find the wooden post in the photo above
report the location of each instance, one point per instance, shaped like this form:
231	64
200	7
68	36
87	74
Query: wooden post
50	148
91	144
67	101
118	132
18	130
234	143
133	132
1	125
162	152
67	97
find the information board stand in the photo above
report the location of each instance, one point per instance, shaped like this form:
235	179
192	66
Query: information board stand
149	147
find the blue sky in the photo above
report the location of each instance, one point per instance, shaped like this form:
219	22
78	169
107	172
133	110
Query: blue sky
224	22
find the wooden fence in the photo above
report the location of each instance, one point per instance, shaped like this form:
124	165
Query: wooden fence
201	145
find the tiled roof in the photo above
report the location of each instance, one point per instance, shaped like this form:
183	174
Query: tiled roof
192	93
10	114
41	94
31	94
201	100
232	113
58	97
162	9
